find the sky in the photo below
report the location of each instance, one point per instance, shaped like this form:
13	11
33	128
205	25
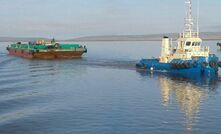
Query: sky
77	18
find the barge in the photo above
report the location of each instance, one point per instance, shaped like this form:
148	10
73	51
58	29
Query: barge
46	50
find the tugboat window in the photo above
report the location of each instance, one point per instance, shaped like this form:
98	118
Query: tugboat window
188	43
196	44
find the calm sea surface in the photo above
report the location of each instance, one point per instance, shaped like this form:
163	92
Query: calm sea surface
103	93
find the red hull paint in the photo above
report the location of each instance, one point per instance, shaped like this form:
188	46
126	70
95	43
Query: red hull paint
21	53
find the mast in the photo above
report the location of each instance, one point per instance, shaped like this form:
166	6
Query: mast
188	32
198	15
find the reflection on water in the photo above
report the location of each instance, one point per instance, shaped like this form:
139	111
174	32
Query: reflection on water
188	97
189	92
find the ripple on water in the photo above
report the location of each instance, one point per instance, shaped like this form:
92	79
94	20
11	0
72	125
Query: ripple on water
4	61
101	95
22	113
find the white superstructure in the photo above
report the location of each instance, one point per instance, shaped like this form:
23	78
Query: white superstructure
188	43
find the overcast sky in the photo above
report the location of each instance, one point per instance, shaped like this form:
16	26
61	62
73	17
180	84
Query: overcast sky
76	18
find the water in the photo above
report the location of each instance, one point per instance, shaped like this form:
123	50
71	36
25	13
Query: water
103	93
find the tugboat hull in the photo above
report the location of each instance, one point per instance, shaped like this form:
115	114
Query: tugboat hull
188	67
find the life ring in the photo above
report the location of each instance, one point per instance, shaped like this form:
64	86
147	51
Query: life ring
180	65
183	65
213	64
176	65
186	64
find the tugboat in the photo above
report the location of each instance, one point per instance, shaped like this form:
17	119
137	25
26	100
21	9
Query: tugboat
46	50
188	57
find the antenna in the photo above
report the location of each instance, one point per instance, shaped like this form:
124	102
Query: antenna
189	19
198	14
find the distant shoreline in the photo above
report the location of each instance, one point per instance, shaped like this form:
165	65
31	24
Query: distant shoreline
110	40
206	36
129	40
